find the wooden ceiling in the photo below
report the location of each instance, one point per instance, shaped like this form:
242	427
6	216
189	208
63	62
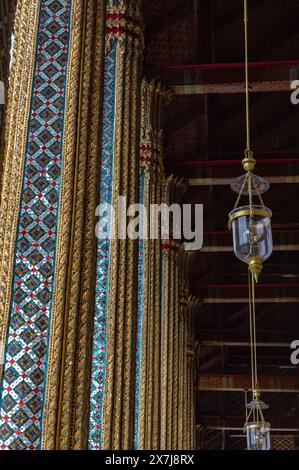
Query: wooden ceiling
196	47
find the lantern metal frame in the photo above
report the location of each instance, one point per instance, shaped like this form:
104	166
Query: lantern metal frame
251	188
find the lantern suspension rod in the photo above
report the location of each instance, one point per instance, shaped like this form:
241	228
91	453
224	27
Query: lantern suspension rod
256	385
248	142
252	355
249	161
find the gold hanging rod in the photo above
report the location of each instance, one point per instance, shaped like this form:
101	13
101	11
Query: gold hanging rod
249	161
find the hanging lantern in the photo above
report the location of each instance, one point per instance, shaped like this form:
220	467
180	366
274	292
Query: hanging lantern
252	240
252	236
258	430
251	226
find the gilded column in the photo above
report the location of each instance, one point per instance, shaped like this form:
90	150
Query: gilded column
177	364
44	193
67	411
111	423
154	100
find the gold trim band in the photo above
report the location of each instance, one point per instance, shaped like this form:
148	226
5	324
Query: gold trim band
257	425
244	212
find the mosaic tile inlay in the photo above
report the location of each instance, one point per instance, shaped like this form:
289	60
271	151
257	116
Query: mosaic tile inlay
102	283
23	385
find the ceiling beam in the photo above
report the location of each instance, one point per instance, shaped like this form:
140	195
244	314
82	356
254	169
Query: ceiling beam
228	249
236	423
229	427
232	88
228	162
245	286
234	383
293	179
244	343
259	300
229	336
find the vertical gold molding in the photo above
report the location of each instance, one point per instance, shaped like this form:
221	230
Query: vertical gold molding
145	284
176	350
150	403
72	417
156	422
153	393
171	345
119	396
165	348
178	404
112	397
82	371
181	382
73	275
64	236
145	309
15	139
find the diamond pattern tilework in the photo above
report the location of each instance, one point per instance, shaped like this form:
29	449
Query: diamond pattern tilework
23	385
100	321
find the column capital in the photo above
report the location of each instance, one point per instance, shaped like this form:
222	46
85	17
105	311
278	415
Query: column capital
124	23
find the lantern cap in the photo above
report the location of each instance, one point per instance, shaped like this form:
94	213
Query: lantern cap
258	185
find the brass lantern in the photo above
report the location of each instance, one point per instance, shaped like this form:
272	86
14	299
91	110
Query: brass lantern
257	430
251	227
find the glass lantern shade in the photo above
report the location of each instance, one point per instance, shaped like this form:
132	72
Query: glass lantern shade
252	234
258	436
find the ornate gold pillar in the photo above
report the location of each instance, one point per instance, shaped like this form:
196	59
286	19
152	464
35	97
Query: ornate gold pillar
154	100
164	405
177	361
67	412
114	337
47	210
